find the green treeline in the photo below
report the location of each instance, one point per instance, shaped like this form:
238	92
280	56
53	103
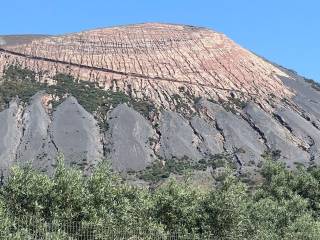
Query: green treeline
285	205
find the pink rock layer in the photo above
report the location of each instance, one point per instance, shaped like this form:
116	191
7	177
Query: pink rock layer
153	61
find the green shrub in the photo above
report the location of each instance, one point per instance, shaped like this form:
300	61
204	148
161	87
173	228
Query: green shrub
284	206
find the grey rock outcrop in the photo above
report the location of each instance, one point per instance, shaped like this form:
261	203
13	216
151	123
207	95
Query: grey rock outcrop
129	139
211	139
35	146
277	137
306	97
10	135
177	137
240	138
75	133
303	129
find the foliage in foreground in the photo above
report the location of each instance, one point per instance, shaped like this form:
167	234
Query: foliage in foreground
285	206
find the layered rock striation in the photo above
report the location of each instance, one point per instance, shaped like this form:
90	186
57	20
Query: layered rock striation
161	59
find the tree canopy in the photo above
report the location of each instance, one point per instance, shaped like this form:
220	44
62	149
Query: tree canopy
285	205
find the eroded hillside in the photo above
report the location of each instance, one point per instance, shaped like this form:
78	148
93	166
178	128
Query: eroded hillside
156	99
161	59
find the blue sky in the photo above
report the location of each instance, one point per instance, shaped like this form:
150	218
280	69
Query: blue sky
284	31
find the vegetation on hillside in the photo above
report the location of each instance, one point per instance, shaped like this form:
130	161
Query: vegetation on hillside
284	206
21	82
162	169
16	82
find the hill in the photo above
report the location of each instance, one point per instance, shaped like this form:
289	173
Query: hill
156	99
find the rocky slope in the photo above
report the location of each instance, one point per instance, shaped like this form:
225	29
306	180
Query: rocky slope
176	95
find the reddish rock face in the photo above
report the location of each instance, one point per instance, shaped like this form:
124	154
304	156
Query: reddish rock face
154	61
